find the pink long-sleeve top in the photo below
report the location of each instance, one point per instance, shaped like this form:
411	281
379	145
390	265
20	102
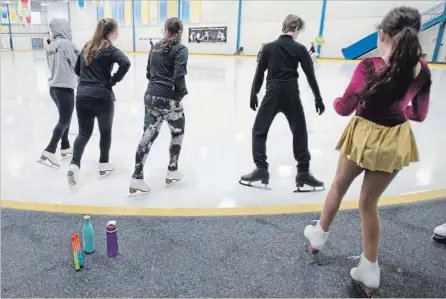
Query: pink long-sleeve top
417	96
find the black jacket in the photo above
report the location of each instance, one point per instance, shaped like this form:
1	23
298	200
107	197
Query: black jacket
96	80
282	58
166	72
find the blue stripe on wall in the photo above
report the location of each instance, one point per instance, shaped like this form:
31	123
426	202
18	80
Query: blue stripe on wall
120	8
185	11
101	12
114	9
137	12
163	11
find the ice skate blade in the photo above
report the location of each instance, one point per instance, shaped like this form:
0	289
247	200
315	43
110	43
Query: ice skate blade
312	254
170	182
66	156
50	165
133	193
248	184
105	173
368	292
439	239
302	188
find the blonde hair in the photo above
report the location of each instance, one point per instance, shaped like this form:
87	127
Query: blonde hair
100	39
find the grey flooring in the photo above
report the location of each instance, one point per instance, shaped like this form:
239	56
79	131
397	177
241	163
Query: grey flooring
250	256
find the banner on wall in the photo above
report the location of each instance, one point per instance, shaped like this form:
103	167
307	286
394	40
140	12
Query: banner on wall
208	34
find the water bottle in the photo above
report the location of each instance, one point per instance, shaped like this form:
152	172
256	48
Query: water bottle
88	235
112	238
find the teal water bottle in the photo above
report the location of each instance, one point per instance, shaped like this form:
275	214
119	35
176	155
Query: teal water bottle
88	235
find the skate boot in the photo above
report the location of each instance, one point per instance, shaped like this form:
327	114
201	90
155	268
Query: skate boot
72	175
173	177
440	233
49	159
258	174
306	182
366	275
316	236
66	153
138	188
105	169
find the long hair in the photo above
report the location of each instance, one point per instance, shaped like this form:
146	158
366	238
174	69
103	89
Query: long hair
402	24
173	30
100	39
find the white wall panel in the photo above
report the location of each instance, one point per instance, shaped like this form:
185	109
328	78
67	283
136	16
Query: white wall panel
262	21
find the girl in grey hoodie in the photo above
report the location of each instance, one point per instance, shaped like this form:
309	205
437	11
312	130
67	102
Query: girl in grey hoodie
61	56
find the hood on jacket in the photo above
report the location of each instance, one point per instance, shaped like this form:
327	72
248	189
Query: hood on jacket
60	28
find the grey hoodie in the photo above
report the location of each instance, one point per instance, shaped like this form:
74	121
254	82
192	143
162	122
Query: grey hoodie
61	55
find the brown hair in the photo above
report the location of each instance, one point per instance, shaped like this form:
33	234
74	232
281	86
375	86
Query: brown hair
293	23
100	40
173	29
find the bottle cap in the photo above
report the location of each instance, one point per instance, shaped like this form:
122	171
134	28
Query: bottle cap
86	217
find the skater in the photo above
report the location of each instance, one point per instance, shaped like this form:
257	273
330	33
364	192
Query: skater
95	97
440	233
378	140
313	53
61	55
281	58
166	71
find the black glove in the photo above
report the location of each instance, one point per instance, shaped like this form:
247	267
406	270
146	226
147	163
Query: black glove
254	103
320	107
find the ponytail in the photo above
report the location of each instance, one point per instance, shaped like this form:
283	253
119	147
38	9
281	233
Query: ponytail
400	70
100	39
173	31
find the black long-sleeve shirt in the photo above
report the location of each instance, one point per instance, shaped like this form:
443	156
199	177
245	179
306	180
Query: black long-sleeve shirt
96	80
281	58
166	72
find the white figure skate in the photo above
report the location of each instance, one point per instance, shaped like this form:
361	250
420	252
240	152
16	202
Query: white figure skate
440	233
105	169
49	159
366	275
173	177
66	153
72	175
138	188
316	236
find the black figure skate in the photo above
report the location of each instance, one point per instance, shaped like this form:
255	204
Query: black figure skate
258	174
306	182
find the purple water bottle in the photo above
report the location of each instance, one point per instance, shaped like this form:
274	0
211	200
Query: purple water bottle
112	238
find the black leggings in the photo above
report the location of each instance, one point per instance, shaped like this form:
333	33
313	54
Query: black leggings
87	110
64	100
284	99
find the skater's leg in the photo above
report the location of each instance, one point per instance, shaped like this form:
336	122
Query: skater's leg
176	122
291	106
64	100
374	184
105	114
65	142
346	172
85	118
265	116
153	121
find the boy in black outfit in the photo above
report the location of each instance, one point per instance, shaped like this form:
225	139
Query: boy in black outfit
281	58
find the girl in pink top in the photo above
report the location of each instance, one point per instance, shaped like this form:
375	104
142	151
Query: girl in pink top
385	92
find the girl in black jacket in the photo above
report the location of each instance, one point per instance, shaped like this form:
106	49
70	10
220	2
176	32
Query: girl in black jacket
166	71
95	97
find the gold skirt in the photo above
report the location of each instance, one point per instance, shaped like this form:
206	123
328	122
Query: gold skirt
378	148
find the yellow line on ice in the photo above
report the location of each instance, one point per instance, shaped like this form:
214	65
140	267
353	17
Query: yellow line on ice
260	210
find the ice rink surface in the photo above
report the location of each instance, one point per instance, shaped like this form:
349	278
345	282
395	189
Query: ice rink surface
217	144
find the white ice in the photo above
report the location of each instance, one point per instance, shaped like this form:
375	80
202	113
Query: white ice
217	144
